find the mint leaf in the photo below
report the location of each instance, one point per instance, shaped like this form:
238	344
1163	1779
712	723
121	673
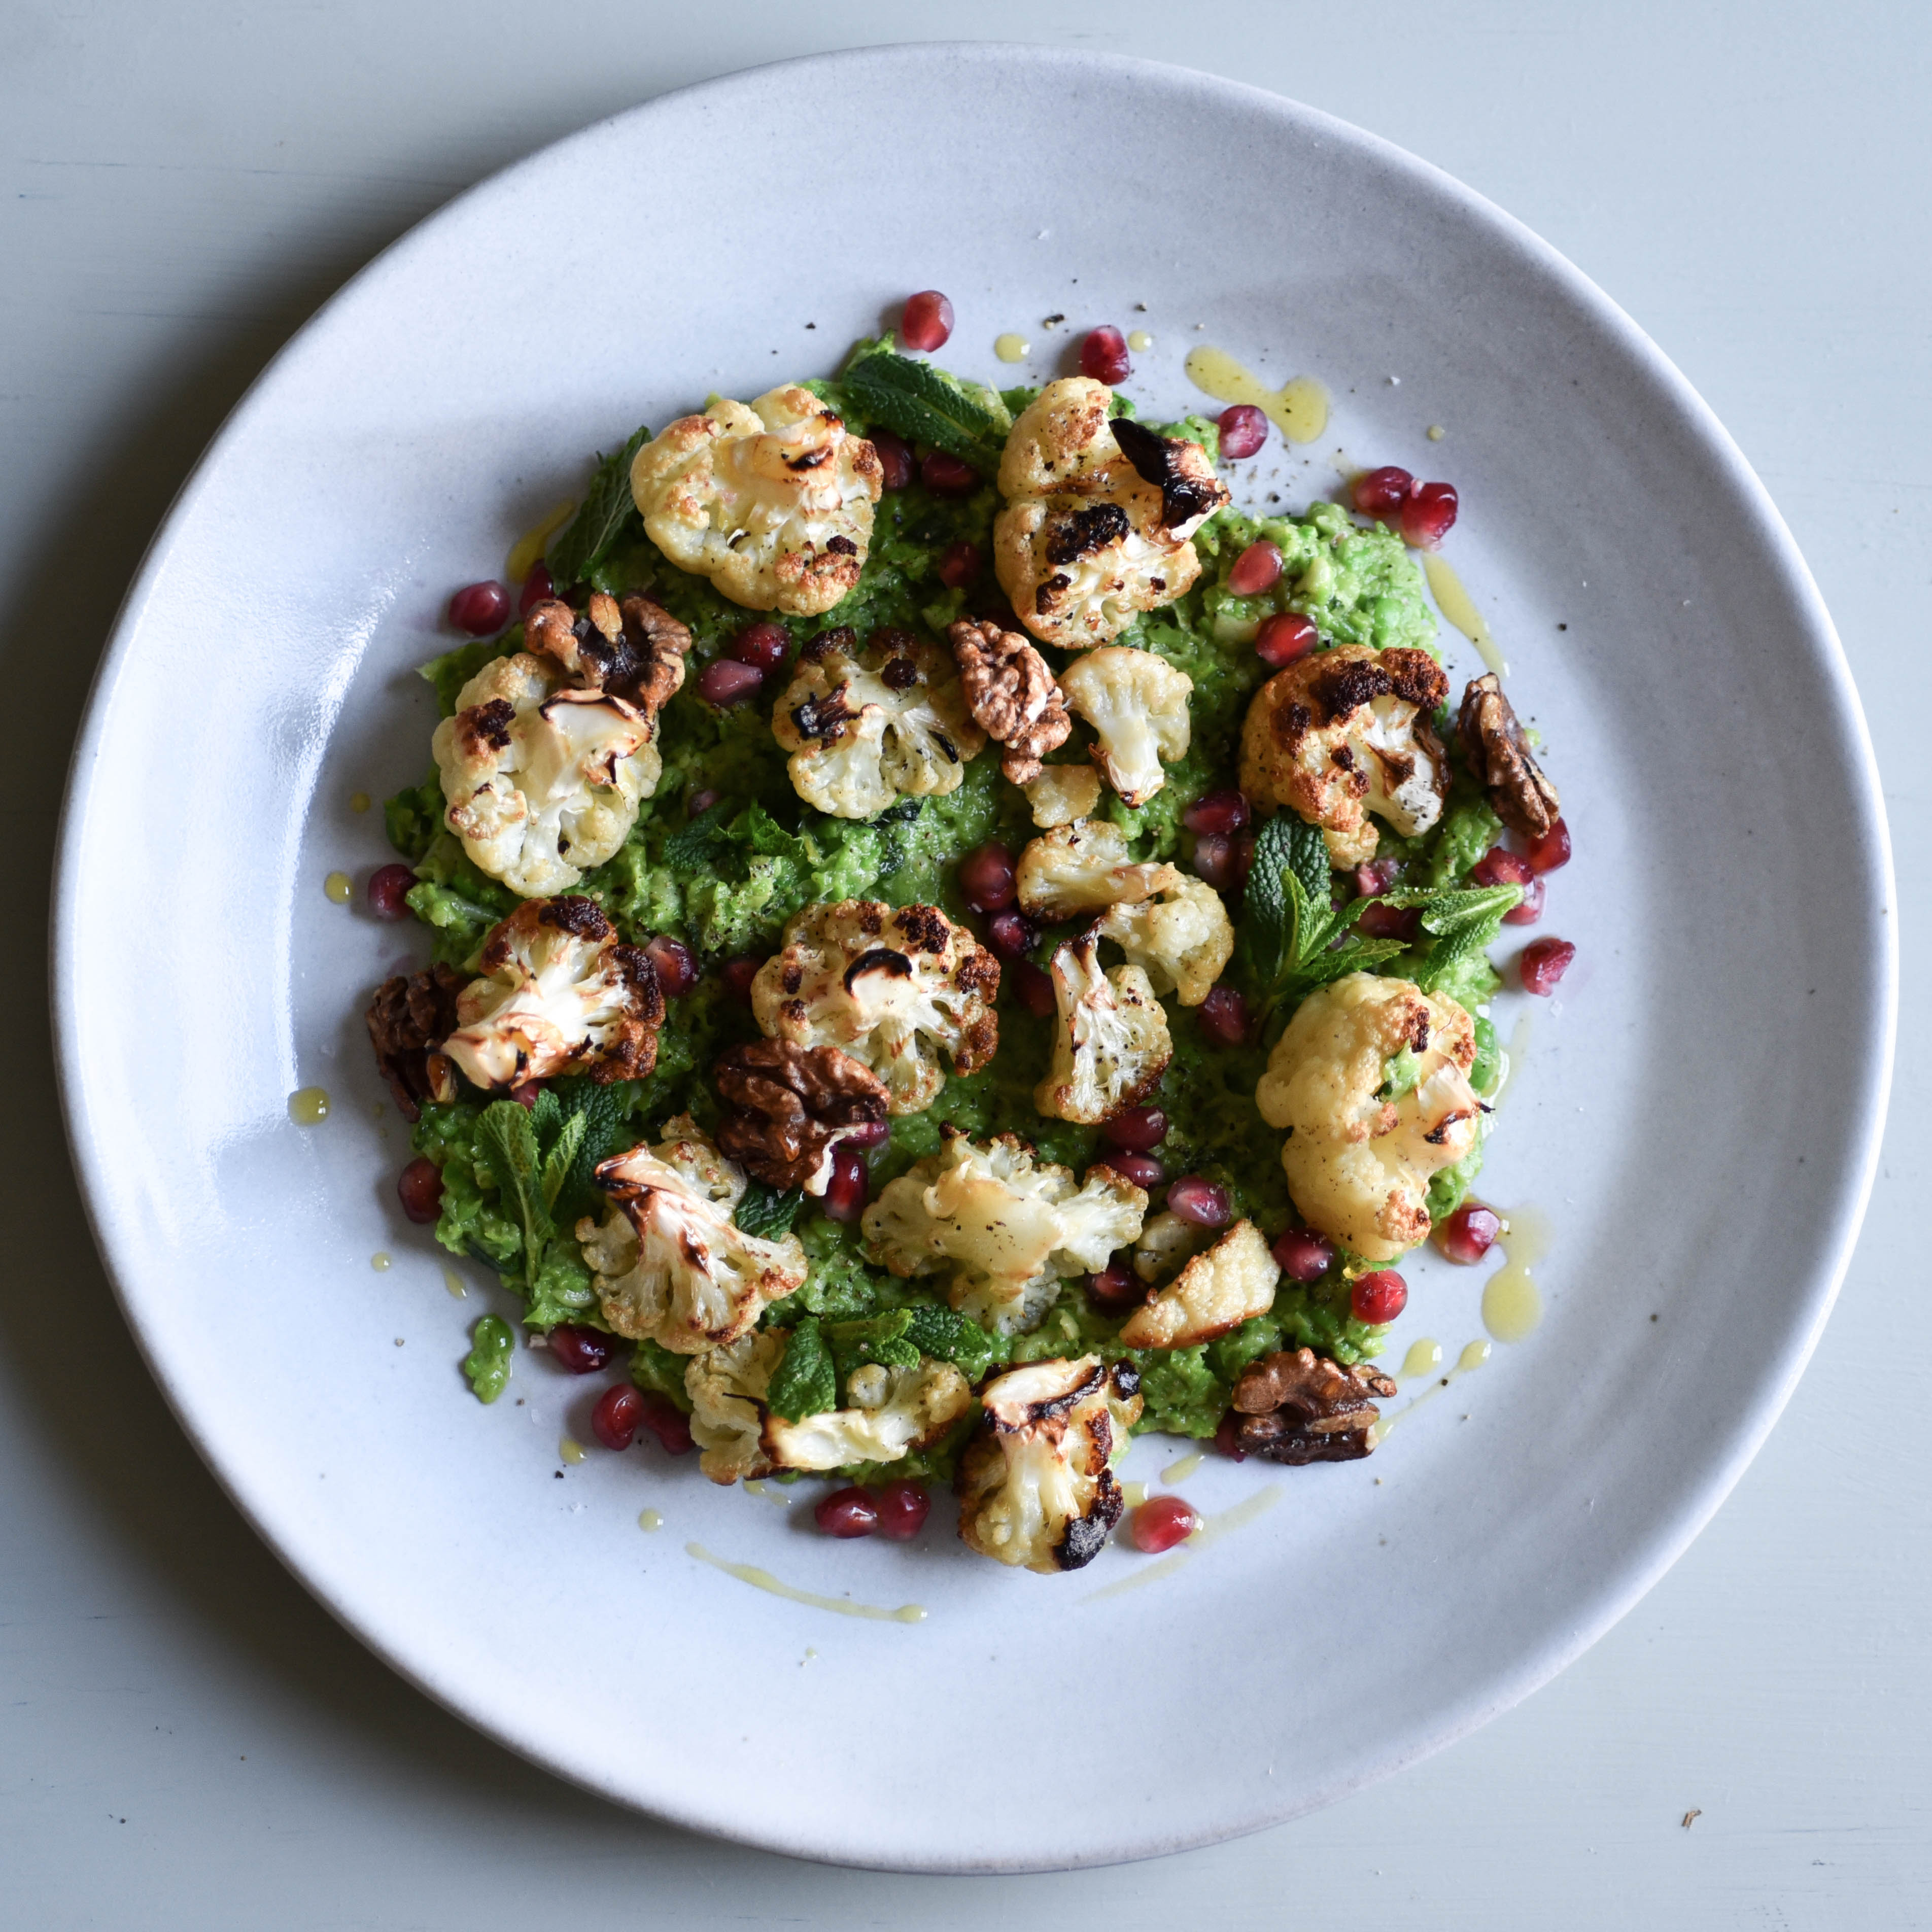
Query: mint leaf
925	405
804	1383
767	1213
509	1142
1463	922
699	845
882	1338
945	1336
557	1162
756	827
601	1109
488	1363
547	1118
600	518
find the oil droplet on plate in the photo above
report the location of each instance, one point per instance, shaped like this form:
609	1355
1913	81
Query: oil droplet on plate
380	1263
337	887
1436	432
1455	603
570	1449
1299	409
1424	1358
453	1281
1180	1472
1473	1355
1133	1494
528	549
1138	341
359	801
1512	1303
1012	348
308	1106
763	1579
649	1520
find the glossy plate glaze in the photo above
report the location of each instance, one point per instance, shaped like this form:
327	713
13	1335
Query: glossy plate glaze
1695	1115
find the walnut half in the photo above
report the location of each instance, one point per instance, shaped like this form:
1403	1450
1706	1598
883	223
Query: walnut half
1014	698
634	650
1299	1407
789	1106
1525	800
410	1016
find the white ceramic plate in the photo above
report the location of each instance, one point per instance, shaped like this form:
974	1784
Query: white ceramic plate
1697	1112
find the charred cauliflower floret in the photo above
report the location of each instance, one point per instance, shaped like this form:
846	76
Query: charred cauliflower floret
1035	1488
1084	868
1371	1081
1346	733
542	779
1112	1045
1098	516
741	1436
1061	793
670	1265
1182	937
867	728
559	995
894	989
1137	704
1232	1282
773	503
1009	1231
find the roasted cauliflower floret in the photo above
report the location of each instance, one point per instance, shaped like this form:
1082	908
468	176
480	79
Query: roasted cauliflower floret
559	995
542	779
1084	868
894	989
1232	1282
1371	1081
1137	704
727	1386
1035	1488
1061	793
773	503
1167	1244
1182	937
1009	1231
1098	516
670	1264
907	1409
1344	733
1112	1046
866	728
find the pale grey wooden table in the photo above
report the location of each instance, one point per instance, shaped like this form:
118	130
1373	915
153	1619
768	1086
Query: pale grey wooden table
185	1739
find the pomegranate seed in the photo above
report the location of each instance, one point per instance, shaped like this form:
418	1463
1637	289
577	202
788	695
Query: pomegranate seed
1283	638
1468	1234
724	682
666	1421
419	1188
946	476
1374	878
851	1186
1103	356
1255	569
846	1513
958	564
864	1134
902	1505
676	970
1497	867
1138	1130
481	609
1142	1169
582	1351
1162	1521
1428	516
1223	861
389	888
762	645
1194	1198
926	323
1529	909
1034	987
526	1095
1379	1297
1243	430
1551	850
895	458
1377	921
615	1419
1224	1017
1380	493
738	974
702	801
1217	811
1543	962
986	878
1303	1254
1011	934
1228	1437
1116	1288
537	586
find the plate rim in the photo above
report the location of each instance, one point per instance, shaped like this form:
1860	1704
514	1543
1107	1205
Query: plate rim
1670	1535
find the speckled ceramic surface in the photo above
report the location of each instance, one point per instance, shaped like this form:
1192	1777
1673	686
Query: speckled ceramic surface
1695	1114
